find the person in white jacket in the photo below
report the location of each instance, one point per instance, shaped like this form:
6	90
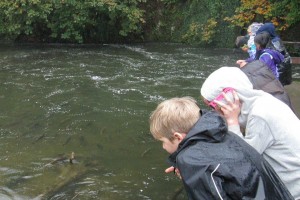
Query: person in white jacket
268	124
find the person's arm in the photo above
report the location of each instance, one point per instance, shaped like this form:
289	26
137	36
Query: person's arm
208	178
250	59
241	63
208	185
203	181
267	59
236	129
258	134
231	111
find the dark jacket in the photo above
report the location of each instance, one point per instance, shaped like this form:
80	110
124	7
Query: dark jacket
270	28
263	79
284	68
216	164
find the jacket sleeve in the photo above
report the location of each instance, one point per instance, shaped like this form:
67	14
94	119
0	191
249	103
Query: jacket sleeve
202	181
207	177
258	134
236	129
267	59
250	59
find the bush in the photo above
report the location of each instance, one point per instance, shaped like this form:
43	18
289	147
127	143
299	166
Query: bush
70	20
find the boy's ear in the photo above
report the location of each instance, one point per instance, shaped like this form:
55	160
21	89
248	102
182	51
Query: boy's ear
179	136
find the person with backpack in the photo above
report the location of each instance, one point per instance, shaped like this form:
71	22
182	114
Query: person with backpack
272	58
284	68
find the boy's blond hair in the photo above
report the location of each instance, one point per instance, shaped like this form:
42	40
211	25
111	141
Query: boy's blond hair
174	115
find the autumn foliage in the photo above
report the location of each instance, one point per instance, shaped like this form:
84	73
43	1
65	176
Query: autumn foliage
283	13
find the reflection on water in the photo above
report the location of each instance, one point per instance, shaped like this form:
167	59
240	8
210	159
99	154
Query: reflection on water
94	101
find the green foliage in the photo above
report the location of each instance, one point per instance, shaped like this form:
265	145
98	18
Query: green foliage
193	33
199	22
209	30
70	20
287	10
22	17
201	33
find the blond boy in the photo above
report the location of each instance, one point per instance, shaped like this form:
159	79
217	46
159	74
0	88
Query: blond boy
213	163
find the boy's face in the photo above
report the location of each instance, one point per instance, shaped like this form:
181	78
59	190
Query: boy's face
170	146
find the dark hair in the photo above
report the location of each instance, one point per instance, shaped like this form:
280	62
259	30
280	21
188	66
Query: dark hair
262	39
241	41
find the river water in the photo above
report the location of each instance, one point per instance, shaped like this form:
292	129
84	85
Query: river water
94	101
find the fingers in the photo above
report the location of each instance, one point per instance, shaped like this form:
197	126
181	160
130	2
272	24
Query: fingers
175	171
236	97
230	108
225	103
226	97
228	100
229	105
220	103
170	169
241	63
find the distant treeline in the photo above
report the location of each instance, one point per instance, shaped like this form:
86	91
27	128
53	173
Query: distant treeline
200	22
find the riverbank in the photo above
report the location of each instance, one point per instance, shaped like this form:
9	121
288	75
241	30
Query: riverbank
294	93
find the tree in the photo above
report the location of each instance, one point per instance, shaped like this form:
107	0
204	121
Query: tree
283	13
70	20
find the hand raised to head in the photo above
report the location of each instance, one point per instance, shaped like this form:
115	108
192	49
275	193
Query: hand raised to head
230	109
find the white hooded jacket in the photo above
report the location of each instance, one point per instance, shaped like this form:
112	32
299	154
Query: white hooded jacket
271	127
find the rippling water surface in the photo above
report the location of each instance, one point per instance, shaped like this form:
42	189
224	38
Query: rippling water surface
93	101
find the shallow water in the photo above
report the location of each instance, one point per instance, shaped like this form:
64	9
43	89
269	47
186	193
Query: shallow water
94	101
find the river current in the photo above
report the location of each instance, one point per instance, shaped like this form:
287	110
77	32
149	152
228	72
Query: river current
74	119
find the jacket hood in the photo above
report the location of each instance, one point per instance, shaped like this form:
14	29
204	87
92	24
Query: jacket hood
222	78
232	77
268	27
211	127
253	28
